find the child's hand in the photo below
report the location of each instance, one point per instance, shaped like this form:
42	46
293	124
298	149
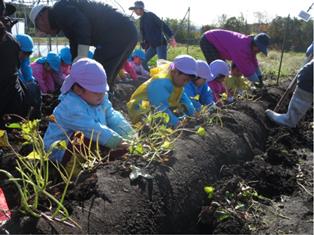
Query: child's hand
172	42
123	145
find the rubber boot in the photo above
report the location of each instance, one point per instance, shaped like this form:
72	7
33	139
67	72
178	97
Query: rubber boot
300	102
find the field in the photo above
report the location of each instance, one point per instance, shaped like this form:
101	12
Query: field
229	172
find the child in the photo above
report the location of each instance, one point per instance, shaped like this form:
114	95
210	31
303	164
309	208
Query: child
197	89
33	96
47	72
137	57
84	106
219	70
235	84
165	90
66	60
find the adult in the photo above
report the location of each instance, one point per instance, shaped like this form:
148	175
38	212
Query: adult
12	95
240	48
301	100
154	33
89	23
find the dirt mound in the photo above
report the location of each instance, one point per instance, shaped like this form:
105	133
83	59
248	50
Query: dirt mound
238	157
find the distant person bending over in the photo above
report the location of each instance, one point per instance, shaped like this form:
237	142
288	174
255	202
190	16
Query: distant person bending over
47	71
241	49
84	106
153	31
165	91
301	100
198	90
89	23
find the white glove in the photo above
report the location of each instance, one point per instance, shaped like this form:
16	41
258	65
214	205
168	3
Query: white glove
82	51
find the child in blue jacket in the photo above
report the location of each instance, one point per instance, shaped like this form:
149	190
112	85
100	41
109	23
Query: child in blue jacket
84	106
197	89
26	74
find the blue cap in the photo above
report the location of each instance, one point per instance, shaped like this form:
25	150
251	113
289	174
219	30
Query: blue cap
54	61
25	41
139	53
65	55
261	40
137	5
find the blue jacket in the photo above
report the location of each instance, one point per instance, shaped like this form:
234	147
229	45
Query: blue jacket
25	72
199	96
162	95
153	29
74	114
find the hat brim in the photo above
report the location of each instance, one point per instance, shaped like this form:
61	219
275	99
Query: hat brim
133	8
67	84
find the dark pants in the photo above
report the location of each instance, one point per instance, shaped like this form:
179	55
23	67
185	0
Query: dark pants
210	52
112	55
13	101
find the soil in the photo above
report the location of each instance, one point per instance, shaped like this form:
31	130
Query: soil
262	175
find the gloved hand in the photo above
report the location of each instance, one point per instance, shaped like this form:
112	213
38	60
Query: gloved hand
82	51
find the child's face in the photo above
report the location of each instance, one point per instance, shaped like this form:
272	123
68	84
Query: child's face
92	98
179	78
199	81
137	60
220	78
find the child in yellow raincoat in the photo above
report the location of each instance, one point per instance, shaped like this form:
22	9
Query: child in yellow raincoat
165	90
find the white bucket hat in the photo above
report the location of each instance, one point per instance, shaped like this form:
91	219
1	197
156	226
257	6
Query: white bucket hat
35	11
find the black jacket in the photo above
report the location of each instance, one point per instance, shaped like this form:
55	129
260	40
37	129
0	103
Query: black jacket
153	30
89	23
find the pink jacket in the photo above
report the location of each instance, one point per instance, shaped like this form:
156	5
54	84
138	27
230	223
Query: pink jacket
48	81
217	88
139	69
129	69
236	47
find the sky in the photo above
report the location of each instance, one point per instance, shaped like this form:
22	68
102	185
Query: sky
207	11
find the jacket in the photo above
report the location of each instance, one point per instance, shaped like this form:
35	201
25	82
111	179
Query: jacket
236	47
199	96
153	29
74	114
89	23
159	92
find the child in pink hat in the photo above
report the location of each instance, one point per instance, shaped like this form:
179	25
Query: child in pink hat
84	106
219	71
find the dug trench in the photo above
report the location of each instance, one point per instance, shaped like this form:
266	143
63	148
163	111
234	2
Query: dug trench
247	154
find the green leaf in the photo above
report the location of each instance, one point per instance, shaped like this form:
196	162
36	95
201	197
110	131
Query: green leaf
209	190
137	149
201	131
166	145
14	125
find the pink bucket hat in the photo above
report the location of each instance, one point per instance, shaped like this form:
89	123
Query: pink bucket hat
203	70
185	64
218	67
89	74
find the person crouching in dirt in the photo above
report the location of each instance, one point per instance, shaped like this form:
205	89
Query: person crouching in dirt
198	90
12	94
301	100
165	91
47	71
241	49
84	106
26	75
235	84
219	71
89	23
